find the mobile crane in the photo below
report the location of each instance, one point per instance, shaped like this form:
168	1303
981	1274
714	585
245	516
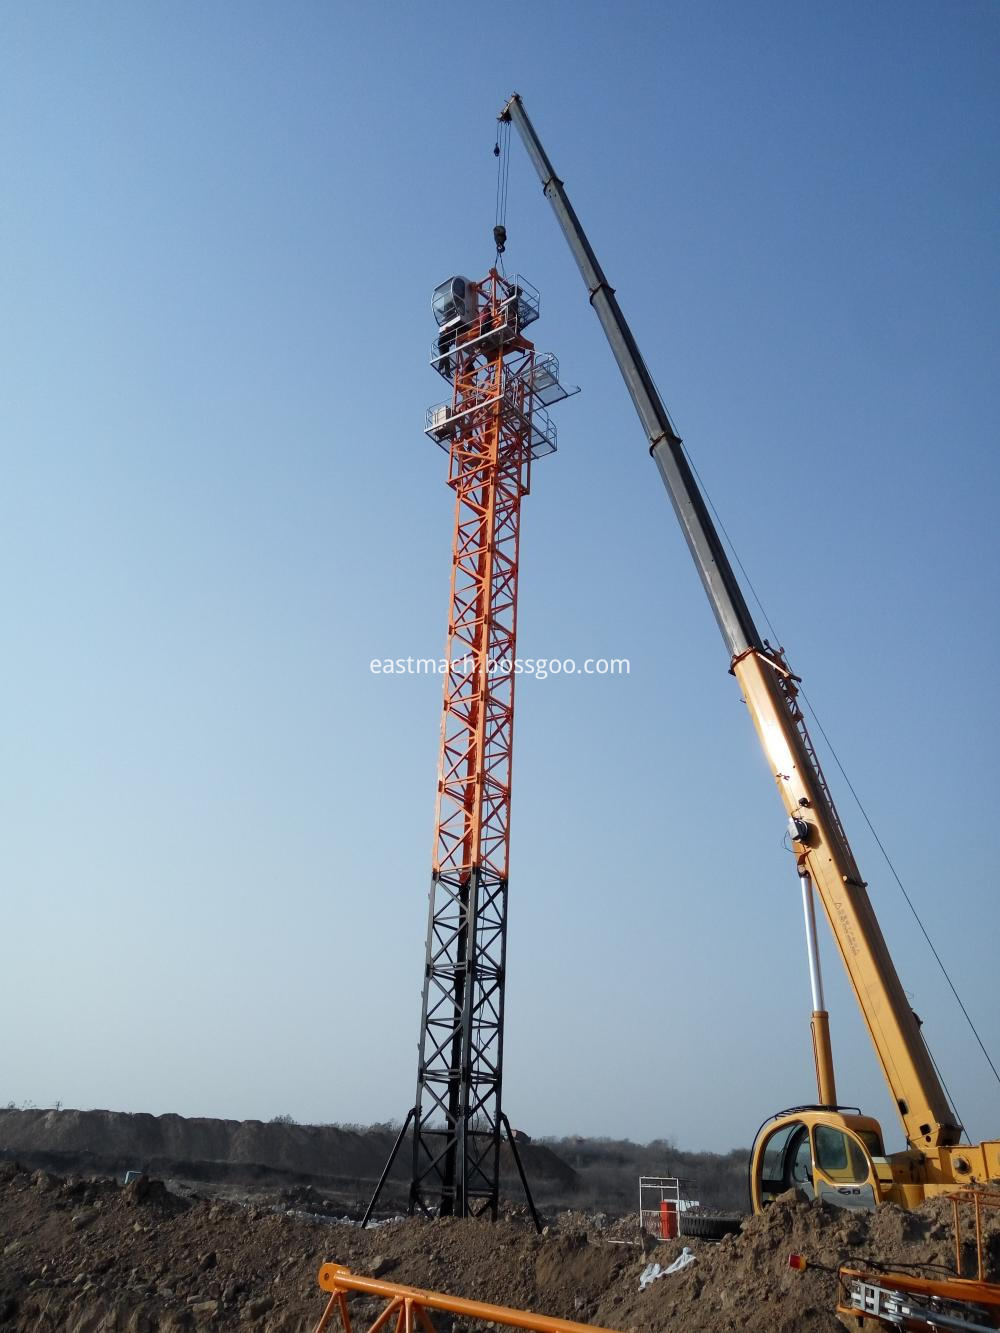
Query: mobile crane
827	1150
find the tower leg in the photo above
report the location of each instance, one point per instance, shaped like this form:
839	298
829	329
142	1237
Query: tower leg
411	1113
520	1171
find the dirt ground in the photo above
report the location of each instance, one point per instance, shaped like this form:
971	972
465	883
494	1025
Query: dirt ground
93	1256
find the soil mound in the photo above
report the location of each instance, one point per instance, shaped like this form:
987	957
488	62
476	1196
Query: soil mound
234	1152
93	1256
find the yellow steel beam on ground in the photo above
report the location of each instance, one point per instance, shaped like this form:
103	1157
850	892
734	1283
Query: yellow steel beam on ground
410	1303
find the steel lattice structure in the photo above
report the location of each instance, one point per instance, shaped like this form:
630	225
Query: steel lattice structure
493	427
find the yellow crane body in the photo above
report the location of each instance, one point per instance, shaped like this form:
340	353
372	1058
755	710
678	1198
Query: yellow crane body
826	1149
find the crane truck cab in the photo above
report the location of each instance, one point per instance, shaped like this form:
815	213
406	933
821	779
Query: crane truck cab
834	1156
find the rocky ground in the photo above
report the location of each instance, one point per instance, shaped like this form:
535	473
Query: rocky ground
92	1256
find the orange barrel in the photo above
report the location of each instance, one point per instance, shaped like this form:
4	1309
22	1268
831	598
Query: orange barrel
668	1220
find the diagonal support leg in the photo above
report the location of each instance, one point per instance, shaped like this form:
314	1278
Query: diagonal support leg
410	1115
338	1300
331	1304
344	1313
424	1318
520	1171
394	1307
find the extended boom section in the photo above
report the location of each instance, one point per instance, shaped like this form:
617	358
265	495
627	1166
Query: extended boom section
823	1148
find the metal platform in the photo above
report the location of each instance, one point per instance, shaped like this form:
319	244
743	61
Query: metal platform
507	320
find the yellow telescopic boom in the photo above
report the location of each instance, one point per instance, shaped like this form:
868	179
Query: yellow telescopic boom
823	853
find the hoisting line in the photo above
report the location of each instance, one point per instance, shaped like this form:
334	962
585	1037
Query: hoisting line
850	786
501	151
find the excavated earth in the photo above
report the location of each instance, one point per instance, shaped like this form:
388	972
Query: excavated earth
238	1157
90	1255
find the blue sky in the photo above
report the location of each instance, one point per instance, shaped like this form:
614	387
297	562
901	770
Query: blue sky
221	228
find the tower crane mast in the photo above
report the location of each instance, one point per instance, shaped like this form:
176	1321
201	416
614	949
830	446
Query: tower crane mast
493	426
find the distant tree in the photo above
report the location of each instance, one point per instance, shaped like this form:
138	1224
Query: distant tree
283	1120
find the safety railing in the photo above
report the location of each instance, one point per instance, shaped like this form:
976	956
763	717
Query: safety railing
977	1200
662	1199
442	420
516	312
407	1307
544	381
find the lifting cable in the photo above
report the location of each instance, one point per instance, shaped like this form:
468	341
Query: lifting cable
501	151
851	789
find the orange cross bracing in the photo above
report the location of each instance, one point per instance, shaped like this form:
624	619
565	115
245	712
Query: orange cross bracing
494	425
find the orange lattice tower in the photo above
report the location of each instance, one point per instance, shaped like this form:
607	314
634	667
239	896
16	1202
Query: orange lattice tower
494	426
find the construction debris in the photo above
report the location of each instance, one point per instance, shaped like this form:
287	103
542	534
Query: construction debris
653	1272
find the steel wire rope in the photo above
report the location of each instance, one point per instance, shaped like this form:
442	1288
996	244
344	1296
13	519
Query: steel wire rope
850	785
501	151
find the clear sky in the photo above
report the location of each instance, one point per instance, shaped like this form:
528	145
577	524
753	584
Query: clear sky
221	225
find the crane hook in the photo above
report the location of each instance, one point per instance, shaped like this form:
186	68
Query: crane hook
500	237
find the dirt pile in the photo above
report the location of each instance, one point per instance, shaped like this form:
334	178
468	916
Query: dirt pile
87	1255
744	1282
92	1256
237	1152
235	1157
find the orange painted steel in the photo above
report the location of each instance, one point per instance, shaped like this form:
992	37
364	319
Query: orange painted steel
493	427
409	1305
965	1291
489	471
978	1199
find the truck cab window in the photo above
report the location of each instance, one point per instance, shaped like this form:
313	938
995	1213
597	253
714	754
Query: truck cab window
786	1162
839	1156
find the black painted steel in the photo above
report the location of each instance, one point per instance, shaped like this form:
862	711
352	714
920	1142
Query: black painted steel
388	1166
457	1117
512	1140
456	1140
